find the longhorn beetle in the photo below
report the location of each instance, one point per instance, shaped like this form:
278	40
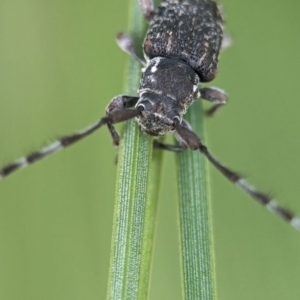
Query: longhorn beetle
181	50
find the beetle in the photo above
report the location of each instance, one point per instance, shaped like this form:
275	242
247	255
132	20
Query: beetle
181	50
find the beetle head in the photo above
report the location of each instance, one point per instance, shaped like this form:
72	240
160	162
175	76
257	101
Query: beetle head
157	114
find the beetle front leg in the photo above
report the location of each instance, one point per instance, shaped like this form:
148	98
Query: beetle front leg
118	103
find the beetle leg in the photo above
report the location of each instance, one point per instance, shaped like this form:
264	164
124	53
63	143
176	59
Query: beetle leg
214	95
226	41
126	43
159	145
147	8
182	144
118	103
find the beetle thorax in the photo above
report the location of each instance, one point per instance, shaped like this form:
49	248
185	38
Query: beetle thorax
168	87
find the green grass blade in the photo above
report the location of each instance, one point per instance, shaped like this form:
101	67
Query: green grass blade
136	196
150	218
195	219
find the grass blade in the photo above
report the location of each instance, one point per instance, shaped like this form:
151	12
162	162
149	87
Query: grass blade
195	221
136	196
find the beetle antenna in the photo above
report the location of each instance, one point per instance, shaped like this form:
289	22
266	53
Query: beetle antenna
193	141
111	118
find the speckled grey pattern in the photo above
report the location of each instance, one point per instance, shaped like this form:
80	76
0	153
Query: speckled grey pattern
168	87
189	30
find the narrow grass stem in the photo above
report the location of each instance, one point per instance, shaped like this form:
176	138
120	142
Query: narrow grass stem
136	196
195	218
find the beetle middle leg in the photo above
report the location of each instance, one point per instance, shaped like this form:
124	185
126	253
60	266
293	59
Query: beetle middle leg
147	8
214	95
160	145
118	103
126	43
226	41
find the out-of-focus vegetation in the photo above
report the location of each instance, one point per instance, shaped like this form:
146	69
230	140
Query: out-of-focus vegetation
59	67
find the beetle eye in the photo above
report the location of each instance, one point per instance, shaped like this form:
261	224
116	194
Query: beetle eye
173	115
147	106
176	120
141	107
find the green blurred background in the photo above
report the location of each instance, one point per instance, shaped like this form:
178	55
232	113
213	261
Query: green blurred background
59	67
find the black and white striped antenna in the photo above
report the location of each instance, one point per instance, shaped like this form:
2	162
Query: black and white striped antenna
190	139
